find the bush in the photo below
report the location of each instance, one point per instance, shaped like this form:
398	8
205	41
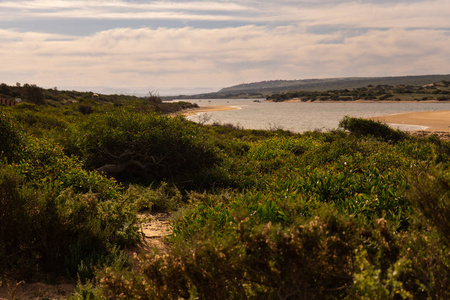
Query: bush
45	231
57	218
165	198
431	195
85	109
10	138
309	260
365	127
148	147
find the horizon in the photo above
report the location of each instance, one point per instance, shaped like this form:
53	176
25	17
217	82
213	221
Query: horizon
142	91
191	47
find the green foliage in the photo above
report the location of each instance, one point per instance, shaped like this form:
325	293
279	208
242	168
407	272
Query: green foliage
369	283
431	194
264	261
57	218
259	214
165	198
365	127
33	93
145	145
10	137
44	230
43	162
416	92
312	216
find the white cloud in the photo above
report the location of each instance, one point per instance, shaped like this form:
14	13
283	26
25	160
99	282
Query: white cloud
369	14
187	57
119	10
288	39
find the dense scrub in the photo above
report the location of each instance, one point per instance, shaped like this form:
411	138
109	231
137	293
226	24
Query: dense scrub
56	218
312	216
148	146
437	91
261	214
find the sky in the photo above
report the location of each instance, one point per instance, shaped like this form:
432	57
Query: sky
184	47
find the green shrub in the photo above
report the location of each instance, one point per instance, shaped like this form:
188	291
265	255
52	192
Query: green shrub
44	162
365	127
147	146
165	198
10	138
311	259
57	218
431	195
45	231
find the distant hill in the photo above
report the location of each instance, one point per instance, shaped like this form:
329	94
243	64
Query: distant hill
266	88
331	83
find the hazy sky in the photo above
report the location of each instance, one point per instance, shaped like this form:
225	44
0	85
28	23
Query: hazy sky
179	45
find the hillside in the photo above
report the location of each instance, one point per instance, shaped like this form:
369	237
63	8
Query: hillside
439	91
266	88
332	83
83	101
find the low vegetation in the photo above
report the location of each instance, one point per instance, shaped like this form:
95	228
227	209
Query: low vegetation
356	213
439	91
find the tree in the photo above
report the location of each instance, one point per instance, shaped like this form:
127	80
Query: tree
33	93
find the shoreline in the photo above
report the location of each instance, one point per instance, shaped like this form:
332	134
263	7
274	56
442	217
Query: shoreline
415	122
203	109
433	121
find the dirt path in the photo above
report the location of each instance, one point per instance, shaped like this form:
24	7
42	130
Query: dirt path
33	291
155	230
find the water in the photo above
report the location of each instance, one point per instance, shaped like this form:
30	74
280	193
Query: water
300	117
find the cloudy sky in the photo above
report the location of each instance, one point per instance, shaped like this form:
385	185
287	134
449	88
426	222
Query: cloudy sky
180	46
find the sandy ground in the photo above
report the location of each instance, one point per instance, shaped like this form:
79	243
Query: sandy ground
154	230
194	111
434	121
32	291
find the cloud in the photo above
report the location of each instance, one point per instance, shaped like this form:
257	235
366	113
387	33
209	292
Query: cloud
368	14
186	57
244	41
117	10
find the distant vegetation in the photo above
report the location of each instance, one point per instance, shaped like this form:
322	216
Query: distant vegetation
436	91
30	93
264	89
332	83
356	213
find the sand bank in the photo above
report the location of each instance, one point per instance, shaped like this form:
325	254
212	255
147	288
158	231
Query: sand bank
194	111
433	121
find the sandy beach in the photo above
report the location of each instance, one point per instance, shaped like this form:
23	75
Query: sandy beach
194	111
433	121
